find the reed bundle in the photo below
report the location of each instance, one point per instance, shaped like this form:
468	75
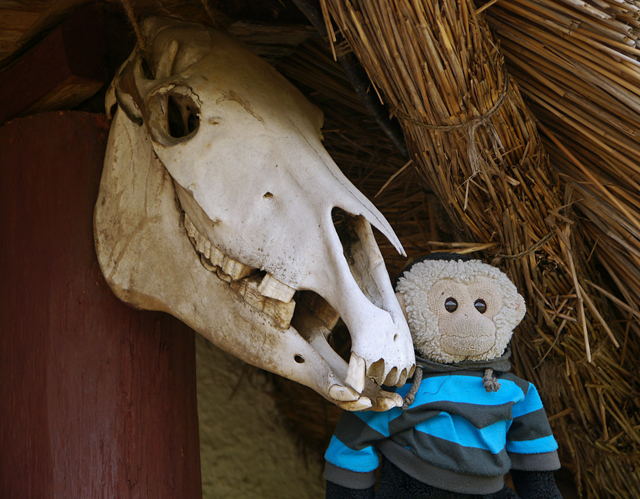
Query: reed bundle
578	67
581	74
475	144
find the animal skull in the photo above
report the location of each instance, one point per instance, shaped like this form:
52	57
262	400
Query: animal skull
216	206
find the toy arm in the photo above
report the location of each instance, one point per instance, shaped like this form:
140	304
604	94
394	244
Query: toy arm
532	449
349	469
530	439
350	484
335	491
534	484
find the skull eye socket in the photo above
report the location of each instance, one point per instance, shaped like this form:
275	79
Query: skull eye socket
481	305
174	116
450	305
182	119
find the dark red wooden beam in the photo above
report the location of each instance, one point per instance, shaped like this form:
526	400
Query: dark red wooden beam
63	70
96	399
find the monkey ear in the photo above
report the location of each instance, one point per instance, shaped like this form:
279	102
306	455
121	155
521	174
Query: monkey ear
520	308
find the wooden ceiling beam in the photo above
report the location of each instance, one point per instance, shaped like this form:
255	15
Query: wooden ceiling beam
62	71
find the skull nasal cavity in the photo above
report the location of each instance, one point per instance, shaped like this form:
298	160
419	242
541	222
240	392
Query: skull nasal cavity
344	225
181	115
357	253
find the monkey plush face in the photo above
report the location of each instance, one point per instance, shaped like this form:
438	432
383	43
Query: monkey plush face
459	310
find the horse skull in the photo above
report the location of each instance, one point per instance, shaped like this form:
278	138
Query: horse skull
215	206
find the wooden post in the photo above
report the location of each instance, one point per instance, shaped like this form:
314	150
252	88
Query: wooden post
97	400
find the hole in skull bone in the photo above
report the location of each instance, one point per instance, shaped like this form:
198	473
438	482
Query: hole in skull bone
340	340
182	119
112	110
346	226
298	358
173	115
268	196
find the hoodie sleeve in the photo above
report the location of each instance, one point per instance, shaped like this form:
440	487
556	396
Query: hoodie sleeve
352	458
530	441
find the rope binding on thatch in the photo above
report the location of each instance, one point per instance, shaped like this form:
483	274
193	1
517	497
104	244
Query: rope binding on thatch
481	120
472	125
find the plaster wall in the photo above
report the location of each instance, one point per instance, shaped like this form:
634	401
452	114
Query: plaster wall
245	451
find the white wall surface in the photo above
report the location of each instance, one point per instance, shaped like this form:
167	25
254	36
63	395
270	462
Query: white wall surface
244	449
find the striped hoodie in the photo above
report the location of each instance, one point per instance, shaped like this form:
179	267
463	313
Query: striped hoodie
455	436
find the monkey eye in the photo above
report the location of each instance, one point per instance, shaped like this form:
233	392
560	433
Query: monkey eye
481	306
450	304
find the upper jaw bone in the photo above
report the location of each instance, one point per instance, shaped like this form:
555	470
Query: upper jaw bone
382	348
270	296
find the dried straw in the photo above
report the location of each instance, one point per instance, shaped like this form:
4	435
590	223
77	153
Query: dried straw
437	66
580	72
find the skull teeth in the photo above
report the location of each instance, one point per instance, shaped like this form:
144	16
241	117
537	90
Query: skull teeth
320	309
216	257
356	373
206	264
211	257
268	294
272	288
280	312
376	371
234	269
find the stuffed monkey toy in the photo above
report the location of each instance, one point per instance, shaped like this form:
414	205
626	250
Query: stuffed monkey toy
466	421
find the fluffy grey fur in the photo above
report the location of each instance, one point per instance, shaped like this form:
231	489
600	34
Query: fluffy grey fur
414	286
